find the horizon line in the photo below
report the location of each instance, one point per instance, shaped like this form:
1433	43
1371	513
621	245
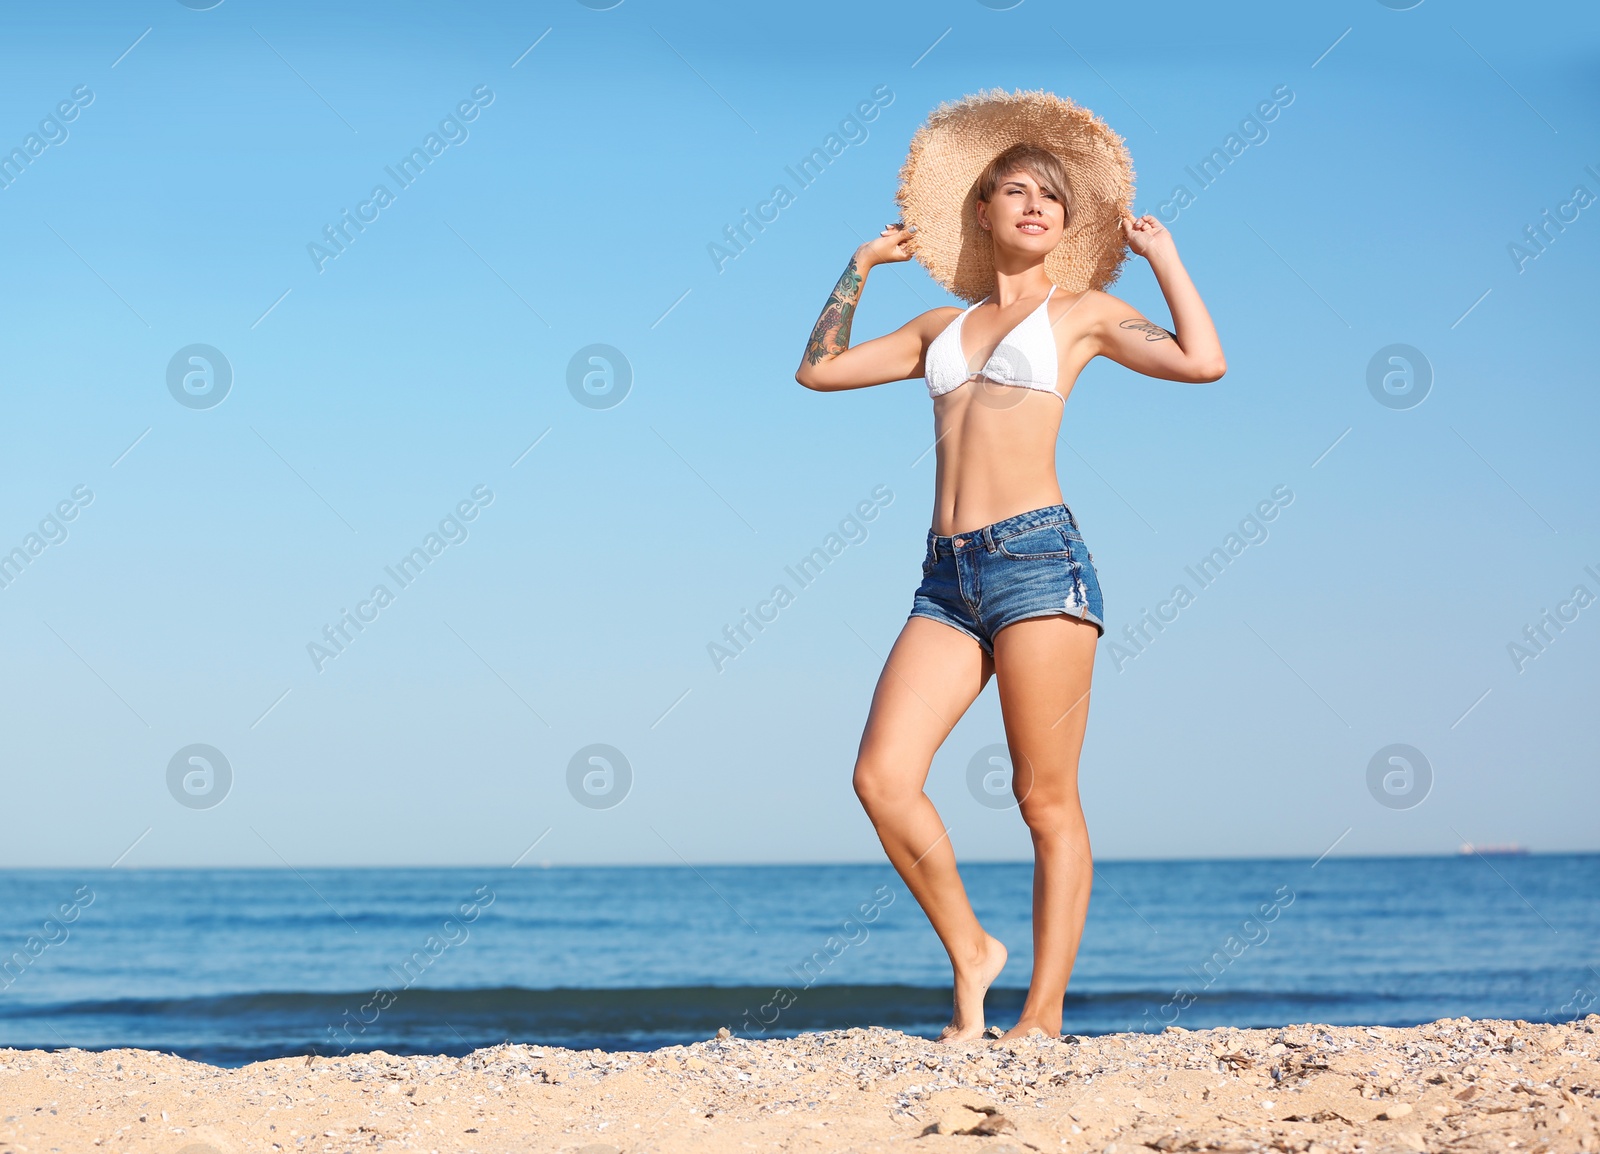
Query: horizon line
735	864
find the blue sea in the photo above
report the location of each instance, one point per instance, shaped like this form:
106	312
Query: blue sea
234	966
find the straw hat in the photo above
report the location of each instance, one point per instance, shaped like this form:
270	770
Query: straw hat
948	153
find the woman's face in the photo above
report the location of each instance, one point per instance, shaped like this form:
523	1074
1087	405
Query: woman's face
1022	216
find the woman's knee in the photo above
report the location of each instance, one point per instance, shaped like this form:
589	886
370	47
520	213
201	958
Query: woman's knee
870	785
877	784
1049	812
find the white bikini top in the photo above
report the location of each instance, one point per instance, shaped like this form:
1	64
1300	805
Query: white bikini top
1025	357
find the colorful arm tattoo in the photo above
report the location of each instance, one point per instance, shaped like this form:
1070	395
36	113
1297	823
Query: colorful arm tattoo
831	336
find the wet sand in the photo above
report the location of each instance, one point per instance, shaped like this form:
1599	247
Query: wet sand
1453	1085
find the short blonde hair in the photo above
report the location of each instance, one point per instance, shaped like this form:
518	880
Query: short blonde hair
1039	163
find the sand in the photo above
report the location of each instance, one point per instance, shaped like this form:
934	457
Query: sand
1457	1085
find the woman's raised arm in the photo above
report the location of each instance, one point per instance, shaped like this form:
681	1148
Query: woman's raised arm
830	363
1192	353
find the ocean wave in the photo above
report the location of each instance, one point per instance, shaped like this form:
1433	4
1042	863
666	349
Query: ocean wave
235	1029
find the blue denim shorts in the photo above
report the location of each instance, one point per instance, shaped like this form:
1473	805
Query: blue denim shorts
1032	565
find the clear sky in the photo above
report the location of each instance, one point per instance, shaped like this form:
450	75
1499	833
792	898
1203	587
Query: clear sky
178	171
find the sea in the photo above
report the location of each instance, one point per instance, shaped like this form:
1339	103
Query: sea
231	966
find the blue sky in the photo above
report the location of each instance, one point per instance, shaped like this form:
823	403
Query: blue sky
427	364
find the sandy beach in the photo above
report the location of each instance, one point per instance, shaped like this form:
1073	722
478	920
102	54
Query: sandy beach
1456	1084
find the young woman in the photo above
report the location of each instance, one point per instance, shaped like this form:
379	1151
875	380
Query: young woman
1008	586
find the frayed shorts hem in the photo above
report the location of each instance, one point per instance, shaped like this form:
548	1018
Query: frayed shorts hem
1088	618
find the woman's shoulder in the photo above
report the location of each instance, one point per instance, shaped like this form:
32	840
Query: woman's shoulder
926	326
1087	308
1087	301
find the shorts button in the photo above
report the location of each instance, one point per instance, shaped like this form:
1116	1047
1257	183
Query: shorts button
960	542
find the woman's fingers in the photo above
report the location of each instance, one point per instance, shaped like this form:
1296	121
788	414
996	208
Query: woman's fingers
902	236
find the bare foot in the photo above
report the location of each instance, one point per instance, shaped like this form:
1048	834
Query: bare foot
1025	1027
971	984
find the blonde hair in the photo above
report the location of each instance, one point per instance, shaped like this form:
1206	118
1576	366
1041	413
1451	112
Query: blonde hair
1039	163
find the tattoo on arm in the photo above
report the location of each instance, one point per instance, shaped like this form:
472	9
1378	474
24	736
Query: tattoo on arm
831	336
1151	332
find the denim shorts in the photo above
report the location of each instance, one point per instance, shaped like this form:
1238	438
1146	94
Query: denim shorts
1032	565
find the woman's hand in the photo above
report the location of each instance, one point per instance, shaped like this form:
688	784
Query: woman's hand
1147	237
892	245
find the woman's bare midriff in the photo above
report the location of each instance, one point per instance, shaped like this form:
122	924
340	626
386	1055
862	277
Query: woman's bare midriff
996	454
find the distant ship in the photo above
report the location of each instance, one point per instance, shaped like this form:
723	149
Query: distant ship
1495	849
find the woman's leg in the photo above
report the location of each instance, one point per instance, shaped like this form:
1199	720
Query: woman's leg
1044	665
933	673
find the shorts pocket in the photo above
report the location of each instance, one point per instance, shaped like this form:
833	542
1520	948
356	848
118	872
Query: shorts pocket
1045	541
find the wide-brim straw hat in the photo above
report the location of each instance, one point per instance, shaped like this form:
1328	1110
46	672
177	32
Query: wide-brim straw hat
938	188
